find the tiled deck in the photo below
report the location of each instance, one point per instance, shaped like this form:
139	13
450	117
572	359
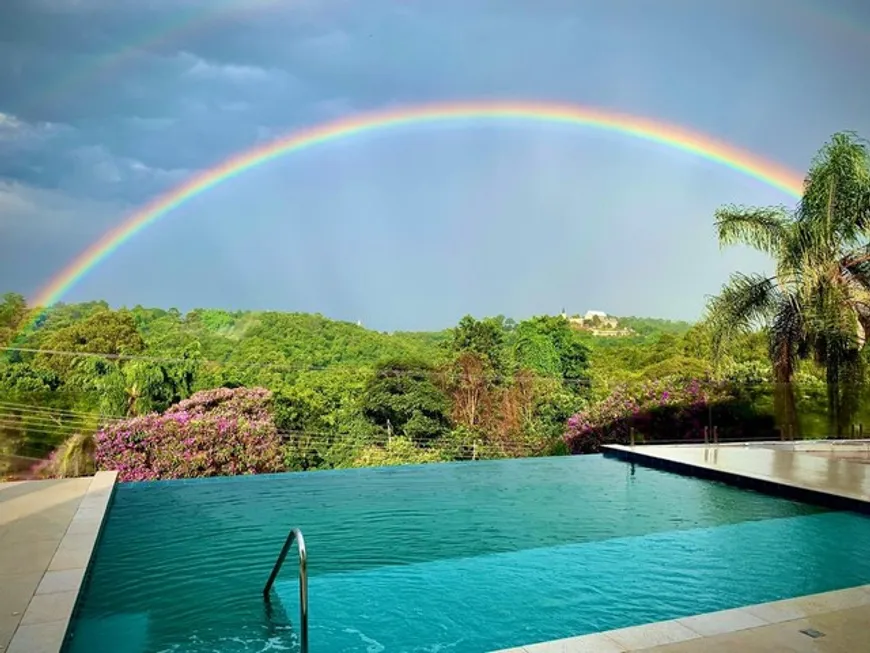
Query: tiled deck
776	468
841	621
47	533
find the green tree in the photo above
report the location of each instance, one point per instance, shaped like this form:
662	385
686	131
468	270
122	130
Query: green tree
816	304
401	398
550	346
13	310
107	332
482	337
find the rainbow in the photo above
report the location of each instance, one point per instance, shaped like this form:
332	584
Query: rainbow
672	136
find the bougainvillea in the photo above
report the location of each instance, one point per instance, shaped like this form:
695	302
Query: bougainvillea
214	433
662	409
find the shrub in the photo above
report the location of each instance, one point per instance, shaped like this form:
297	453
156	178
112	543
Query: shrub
75	457
662	409
214	433
398	451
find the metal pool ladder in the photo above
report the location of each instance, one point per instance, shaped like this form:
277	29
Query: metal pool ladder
295	534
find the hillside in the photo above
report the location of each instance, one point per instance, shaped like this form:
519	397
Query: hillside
342	393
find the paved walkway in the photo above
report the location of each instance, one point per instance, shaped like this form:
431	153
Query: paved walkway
47	533
763	466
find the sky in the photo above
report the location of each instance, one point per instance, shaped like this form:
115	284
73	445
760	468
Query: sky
107	104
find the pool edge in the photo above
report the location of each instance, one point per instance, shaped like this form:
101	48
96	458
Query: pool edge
827	498
63	580
703	626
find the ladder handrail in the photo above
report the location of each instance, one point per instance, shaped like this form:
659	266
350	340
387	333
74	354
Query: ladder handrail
295	534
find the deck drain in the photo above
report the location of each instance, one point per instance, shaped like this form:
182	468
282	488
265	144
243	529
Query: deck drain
812	632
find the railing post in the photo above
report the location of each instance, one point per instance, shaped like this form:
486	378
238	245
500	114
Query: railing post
715	435
706	435
631	435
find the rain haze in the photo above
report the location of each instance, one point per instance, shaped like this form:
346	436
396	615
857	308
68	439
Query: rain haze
108	104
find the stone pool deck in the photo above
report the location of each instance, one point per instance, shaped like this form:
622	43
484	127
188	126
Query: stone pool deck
832	622
821	472
48	530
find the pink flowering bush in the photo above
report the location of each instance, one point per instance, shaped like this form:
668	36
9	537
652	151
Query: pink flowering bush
658	410
220	432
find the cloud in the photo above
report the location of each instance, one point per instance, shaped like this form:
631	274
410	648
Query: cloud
62	158
9	123
202	69
108	103
335	44
12	129
111	176
41	229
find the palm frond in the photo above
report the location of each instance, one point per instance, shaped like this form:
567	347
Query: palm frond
764	229
746	301
836	190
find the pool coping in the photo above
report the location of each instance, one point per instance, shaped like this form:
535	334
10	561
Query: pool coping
657	456
44	624
698	627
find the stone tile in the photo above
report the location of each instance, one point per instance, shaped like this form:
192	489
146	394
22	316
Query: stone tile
93	504
103	480
7	628
771	463
845	628
725	621
73	553
749	641
831	601
16	593
39	638
654	634
68	580
597	643
27	557
36	529
47	537
778	611
45	608
89	513
84	525
845	631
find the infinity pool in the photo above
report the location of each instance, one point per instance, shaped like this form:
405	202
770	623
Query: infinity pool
459	558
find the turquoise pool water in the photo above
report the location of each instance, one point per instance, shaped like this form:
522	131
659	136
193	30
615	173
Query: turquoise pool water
459	558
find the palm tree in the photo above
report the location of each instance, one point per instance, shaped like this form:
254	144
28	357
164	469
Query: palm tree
816	304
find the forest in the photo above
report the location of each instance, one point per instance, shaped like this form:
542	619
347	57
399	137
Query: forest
160	394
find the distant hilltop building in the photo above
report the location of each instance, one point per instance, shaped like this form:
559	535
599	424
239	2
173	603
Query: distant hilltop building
598	323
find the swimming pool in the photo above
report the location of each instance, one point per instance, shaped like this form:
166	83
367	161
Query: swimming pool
461	558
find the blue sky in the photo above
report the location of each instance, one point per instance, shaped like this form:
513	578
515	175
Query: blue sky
409	229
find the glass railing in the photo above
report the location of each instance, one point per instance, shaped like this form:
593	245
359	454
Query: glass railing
32	427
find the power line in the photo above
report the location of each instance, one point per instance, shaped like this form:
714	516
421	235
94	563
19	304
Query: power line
61	412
